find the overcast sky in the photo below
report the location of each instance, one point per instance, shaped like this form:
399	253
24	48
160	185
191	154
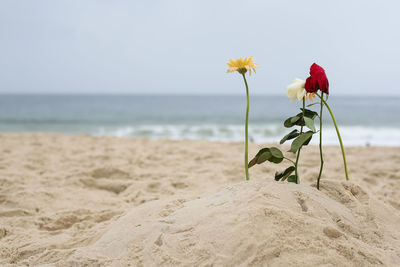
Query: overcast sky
183	46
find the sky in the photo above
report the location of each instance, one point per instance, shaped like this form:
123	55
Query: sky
182	47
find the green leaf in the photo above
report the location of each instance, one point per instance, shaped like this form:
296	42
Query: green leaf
300	141
262	151
277	155
290	122
284	174
287	123
309	123
308	141
271	154
292	179
264	157
252	162
309	113
276	160
255	159
291	135
294	119
298	119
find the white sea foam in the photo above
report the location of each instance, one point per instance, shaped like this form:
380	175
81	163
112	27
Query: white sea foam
351	135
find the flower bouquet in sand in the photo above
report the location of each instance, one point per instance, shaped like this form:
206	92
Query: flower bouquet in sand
302	91
243	66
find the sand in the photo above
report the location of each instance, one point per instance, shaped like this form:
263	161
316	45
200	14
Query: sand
87	201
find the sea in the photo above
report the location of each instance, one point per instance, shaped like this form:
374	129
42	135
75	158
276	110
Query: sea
369	121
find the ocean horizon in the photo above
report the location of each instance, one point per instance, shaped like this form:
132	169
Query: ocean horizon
365	120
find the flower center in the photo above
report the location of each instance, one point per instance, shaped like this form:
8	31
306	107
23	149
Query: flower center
242	70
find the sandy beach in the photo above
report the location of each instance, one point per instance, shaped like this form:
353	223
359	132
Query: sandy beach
86	201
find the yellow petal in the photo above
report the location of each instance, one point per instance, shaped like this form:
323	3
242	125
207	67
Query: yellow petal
240	63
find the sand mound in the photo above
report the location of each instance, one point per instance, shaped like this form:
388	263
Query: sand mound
86	201
254	223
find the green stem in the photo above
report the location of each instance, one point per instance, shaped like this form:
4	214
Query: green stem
294	163
339	137
246	130
298	152
320	141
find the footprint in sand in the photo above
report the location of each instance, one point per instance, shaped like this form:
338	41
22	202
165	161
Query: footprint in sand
109	179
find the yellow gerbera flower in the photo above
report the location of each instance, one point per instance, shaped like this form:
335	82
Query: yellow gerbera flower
242	65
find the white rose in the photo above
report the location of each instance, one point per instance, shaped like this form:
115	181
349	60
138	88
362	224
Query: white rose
296	89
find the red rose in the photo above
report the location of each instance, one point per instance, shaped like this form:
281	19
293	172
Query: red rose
317	80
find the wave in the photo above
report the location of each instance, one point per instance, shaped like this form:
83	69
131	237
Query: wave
351	135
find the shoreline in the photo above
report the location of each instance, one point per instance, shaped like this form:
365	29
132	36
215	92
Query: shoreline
187	139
